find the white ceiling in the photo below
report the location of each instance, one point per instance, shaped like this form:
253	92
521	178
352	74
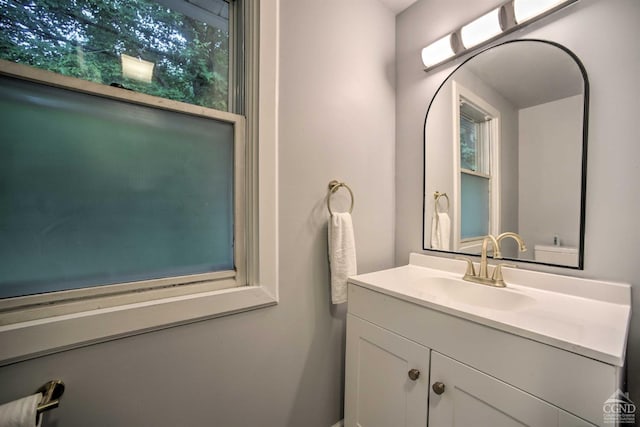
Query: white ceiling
398	6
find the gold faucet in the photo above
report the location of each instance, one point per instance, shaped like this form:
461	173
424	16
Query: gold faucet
514	236
483	275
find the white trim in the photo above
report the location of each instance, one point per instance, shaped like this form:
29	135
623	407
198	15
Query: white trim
14	303
455	196
34	338
29	339
129	293
84	86
268	148
478	174
496	178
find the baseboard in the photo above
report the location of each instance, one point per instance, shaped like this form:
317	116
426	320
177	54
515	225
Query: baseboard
339	424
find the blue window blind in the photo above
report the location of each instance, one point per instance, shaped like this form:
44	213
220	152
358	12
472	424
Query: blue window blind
96	191
475	206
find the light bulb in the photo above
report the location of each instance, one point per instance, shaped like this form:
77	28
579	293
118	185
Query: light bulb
437	51
483	28
527	9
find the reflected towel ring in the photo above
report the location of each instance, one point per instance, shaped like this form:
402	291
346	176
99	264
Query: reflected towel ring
437	195
335	186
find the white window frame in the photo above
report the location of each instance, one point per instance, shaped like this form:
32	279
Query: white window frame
118	315
30	307
459	92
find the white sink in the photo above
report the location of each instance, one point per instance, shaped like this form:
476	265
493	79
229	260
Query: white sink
475	294
588	317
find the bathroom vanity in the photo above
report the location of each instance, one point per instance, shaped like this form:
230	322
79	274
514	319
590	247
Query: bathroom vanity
427	348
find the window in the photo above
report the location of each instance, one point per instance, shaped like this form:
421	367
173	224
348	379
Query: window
476	126
171	48
475	171
99	191
149	199
102	191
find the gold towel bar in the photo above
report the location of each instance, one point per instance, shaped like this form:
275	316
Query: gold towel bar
335	186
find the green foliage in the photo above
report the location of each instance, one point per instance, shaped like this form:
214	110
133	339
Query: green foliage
468	144
85	38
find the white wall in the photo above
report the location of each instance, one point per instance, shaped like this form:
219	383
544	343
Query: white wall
550	161
279	366
604	34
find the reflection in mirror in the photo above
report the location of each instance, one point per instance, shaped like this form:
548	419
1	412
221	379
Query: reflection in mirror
505	142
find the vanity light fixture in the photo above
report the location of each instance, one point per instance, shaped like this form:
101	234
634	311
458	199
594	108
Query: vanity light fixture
524	10
482	29
509	17
437	51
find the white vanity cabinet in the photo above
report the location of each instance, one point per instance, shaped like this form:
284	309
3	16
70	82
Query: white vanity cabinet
491	378
379	391
469	397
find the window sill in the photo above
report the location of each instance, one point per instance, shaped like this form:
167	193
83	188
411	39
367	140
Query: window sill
26	340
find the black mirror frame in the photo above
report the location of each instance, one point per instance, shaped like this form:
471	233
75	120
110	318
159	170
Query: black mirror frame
585	130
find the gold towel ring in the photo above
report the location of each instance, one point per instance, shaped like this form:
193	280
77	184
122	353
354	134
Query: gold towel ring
335	186
437	195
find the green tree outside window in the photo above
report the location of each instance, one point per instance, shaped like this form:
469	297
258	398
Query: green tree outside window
85	39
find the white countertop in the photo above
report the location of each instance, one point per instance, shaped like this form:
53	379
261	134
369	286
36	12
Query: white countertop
583	316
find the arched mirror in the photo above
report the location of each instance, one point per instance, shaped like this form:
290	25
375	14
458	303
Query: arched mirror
505	150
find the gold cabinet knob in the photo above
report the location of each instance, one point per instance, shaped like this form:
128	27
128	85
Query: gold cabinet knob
414	374
438	387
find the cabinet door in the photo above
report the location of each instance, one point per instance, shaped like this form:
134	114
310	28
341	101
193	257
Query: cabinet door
378	389
472	398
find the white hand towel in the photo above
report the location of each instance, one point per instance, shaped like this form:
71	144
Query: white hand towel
342	255
21	412
440	231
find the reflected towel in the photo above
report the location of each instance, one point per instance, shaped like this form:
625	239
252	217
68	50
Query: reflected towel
21	412
342	255
440	231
